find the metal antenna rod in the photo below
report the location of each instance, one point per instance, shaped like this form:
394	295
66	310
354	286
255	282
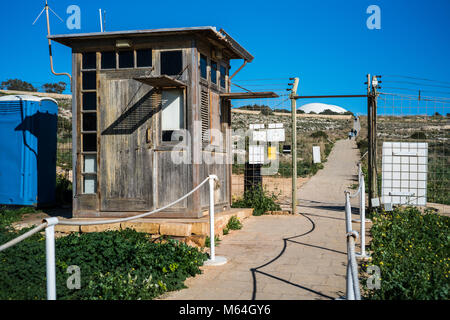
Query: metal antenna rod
101	20
46	7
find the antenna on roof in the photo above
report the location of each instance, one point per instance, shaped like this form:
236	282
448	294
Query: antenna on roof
101	20
46	8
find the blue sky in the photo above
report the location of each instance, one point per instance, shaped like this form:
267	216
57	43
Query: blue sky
325	43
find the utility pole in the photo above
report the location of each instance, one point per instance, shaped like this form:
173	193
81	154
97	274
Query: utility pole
369	141
375	83
372	86
374	137
294	142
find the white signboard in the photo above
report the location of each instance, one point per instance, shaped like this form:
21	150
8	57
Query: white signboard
256	126
274	135
404	173
256	154
259	135
316	154
275	125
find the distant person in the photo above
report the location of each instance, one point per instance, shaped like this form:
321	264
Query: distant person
350	135
356	132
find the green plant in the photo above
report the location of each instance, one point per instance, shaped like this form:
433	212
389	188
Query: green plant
216	241
319	135
258	199
412	251
114	265
234	224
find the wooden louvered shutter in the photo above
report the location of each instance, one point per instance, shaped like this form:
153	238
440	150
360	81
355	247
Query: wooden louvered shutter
204	116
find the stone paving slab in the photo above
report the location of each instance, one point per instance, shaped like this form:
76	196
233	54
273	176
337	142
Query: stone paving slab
301	257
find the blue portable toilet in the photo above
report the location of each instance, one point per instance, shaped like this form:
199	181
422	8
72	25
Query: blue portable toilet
28	127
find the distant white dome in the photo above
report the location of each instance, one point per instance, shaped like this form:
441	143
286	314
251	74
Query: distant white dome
320	107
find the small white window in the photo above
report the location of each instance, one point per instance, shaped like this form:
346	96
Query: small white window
172	114
90	184
90	164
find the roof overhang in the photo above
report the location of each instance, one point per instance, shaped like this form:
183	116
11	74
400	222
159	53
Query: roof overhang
211	33
248	95
162	81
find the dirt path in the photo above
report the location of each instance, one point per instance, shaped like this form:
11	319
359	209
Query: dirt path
287	257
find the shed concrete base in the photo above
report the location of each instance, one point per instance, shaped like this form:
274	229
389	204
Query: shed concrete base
192	231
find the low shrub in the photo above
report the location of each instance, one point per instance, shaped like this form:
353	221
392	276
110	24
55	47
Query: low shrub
319	135
234	223
63	190
419	135
412	251
258	199
114	265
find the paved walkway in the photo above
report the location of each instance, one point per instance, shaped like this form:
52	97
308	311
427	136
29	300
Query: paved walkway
287	257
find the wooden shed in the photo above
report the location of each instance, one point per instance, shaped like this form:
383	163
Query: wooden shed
135	93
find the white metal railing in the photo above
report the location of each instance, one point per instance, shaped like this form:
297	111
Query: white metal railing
353	290
361	192
49	226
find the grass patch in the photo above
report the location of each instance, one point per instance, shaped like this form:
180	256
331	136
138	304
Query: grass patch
10	215
412	251
208	241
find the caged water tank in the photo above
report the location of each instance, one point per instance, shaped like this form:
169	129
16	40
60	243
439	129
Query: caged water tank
28	126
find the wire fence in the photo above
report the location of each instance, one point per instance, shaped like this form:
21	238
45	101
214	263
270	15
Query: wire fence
262	142
64	140
418	127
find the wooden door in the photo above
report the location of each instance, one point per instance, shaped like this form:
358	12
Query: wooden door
126	158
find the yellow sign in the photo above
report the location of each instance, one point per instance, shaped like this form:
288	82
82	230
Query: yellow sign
272	153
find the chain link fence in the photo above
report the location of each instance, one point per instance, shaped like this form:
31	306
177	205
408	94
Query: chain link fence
412	121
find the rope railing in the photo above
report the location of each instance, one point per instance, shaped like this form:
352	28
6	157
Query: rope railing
49	226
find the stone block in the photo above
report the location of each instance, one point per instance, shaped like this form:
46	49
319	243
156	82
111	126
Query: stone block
66	228
147	227
175	229
200	228
100	227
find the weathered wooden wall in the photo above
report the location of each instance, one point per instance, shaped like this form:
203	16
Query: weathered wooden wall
135	170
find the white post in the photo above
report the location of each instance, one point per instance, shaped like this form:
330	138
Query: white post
363	217
50	257
350	294
213	260
211	218
362	201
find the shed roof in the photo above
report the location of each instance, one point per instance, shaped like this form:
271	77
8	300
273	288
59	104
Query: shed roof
210	32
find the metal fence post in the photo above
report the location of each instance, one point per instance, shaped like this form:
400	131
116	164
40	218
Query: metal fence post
355	292
50	257
363	219
213	260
